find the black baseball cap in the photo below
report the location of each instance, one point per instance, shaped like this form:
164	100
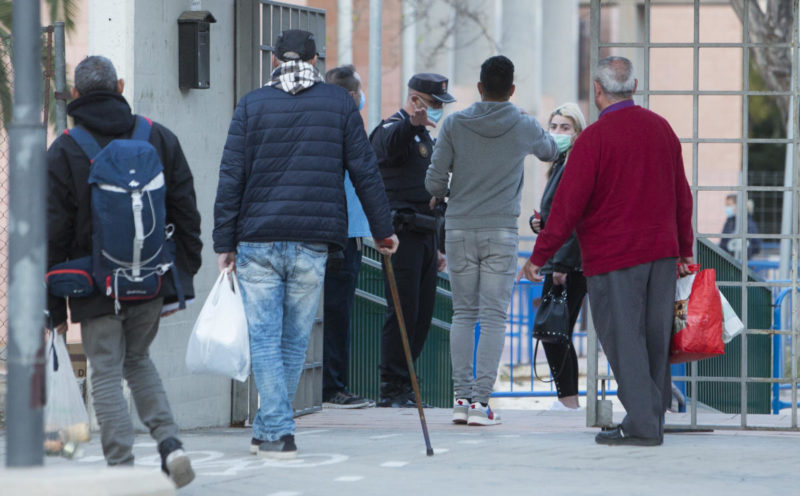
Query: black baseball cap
295	44
433	84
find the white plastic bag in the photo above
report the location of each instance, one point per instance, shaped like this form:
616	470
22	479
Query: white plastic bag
732	325
66	422
220	343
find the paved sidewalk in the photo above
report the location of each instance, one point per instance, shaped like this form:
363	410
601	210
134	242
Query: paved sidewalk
381	452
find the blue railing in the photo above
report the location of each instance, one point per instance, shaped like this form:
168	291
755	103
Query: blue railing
523	312
777	354
524	303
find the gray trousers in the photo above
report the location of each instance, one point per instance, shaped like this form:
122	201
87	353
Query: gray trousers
632	310
117	347
482	268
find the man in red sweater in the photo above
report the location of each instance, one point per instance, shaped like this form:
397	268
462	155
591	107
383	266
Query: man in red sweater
624	191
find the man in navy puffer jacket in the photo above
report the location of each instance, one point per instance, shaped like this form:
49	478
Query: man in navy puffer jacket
280	207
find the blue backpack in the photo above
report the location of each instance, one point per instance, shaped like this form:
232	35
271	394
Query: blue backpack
131	242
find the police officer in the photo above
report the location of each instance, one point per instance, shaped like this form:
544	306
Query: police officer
404	146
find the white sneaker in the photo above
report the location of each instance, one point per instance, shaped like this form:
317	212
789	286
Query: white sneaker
460	410
481	415
557	406
179	468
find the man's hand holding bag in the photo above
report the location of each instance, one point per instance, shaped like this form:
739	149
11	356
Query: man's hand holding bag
220	343
697	328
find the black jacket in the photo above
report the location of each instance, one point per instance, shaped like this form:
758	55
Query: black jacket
404	154
69	216
568	257
282	171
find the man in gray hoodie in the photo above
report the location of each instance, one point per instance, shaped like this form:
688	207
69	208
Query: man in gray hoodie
481	150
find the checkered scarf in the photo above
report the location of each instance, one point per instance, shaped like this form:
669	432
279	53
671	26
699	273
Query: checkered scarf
295	76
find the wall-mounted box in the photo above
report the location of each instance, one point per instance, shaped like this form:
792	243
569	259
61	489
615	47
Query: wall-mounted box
194	44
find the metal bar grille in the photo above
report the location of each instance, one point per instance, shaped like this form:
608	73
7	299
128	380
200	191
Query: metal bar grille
743	368
276	17
592	348
259	23
795	100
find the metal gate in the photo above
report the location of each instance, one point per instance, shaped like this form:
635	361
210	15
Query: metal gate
719	91
258	23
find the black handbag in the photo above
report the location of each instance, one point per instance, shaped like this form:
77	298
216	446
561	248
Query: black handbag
551	325
552	319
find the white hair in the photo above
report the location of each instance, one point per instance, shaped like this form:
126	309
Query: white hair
615	77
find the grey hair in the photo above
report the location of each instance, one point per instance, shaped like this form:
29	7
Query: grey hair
95	73
615	76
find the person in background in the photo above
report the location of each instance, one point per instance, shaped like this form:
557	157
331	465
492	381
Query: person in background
341	278
626	195
478	164
733	245
404	146
564	268
280	208
118	344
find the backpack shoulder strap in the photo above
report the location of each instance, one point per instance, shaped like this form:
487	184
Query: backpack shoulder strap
85	140
141	131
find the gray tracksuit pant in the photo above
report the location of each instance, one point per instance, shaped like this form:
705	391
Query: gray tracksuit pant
118	347
482	265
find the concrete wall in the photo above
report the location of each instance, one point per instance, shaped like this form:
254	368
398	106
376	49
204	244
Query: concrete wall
141	37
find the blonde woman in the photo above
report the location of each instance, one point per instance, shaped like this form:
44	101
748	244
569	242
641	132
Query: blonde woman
564	268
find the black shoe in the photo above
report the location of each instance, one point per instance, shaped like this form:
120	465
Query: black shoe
617	437
392	395
345	399
395	402
408	390
174	462
401	401
282	449
412	403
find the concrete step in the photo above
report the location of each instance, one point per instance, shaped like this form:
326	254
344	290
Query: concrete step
85	481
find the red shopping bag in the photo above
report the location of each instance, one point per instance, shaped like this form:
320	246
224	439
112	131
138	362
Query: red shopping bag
697	328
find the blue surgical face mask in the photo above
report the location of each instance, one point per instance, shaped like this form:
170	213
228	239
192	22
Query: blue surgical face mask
563	141
362	102
730	210
435	115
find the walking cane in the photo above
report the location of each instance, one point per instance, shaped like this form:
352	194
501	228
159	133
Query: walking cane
398	310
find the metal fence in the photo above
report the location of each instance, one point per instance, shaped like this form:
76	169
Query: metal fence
8	72
706	97
7	83
258	22
369	313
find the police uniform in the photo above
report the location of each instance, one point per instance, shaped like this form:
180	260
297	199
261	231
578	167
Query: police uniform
404	153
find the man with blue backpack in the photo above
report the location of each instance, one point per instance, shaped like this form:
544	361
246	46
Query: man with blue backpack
123	242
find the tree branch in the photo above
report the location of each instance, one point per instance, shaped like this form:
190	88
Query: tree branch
774	27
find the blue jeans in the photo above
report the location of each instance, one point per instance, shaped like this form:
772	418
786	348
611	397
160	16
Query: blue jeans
281	282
